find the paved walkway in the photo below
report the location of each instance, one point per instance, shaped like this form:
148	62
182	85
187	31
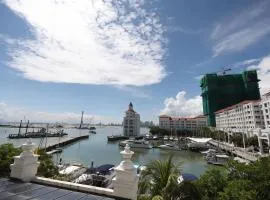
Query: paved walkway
14	190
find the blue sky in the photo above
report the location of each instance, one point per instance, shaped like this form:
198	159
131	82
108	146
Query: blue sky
60	57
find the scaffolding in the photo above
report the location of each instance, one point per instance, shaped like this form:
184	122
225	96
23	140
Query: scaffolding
221	91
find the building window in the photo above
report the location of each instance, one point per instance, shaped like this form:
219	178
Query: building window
267	116
265	104
266	111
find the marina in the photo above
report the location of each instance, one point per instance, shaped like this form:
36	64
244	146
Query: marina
237	151
96	148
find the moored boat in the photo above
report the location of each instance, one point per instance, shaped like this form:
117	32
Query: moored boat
116	137
100	177
136	144
218	159
169	147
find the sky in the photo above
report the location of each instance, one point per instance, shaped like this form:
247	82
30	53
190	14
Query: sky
59	57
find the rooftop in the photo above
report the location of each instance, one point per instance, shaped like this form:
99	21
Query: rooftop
16	190
181	118
238	104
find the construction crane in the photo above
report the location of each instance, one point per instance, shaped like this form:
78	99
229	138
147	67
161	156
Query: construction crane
224	70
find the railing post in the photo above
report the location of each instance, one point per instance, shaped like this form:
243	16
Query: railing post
25	165
125	183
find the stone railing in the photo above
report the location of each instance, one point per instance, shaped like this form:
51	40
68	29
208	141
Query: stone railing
125	183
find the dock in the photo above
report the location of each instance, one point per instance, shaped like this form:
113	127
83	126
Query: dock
65	142
240	152
54	151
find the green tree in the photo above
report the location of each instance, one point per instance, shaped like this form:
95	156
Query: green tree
238	189
212	182
46	167
7	152
155	130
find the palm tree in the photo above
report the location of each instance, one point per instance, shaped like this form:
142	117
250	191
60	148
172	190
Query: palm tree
159	182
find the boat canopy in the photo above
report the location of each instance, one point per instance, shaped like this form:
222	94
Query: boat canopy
200	140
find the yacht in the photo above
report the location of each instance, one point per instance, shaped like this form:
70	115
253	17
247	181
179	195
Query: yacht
100	177
155	137
208	151
136	144
148	137
218	159
73	171
197	144
165	137
169	147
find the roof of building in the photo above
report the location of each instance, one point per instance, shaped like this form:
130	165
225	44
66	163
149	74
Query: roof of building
11	189
238	104
181	118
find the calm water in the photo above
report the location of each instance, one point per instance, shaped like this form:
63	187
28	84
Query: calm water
97	149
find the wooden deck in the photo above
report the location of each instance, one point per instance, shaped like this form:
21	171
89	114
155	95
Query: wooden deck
14	190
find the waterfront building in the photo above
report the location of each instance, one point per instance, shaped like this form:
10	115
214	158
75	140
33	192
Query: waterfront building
222	91
182	123
265	103
242	117
131	122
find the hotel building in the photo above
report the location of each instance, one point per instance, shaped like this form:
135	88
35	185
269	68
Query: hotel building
242	117
265	103
131	123
182	123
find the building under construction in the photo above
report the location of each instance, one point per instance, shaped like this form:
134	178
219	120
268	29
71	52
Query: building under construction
221	91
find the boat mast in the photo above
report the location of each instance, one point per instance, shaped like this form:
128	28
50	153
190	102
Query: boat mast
26	127
81	120
20	128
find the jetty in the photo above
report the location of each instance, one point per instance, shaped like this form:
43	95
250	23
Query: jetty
65	142
237	151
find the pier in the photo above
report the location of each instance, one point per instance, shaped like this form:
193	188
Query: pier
65	142
240	152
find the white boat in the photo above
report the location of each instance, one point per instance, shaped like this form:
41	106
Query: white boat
136	144
100	177
171	138
155	137
218	159
169	147
241	160
208	151
165	137
148	137
198	143
73	171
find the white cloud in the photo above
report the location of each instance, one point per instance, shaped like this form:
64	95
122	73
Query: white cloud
135	91
199	77
238	31
184	30
182	106
263	69
89	42
11	114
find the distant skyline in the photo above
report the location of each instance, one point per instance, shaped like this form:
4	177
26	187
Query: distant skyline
58	58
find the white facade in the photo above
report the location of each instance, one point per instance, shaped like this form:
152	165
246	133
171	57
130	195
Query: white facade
182	123
241	117
265	103
131	123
